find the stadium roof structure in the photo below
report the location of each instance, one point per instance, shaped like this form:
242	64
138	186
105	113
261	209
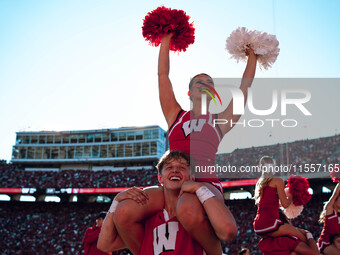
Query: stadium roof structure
90	149
87	131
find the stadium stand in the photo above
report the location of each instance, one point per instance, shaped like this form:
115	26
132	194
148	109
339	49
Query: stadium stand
13	178
48	228
322	150
318	151
51	228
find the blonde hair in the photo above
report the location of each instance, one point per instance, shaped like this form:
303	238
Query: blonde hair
323	215
265	178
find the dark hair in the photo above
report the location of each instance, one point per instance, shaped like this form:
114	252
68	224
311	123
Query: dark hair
192	80
333	237
101	215
171	155
243	251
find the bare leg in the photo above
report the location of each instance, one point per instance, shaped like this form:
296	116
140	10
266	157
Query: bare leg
130	214
190	213
287	229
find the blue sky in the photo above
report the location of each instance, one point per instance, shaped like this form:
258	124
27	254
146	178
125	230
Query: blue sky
73	65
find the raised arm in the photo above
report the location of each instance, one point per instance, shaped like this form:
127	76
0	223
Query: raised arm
246	82
169	104
331	201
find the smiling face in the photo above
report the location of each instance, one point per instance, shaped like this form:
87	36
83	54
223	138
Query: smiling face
175	173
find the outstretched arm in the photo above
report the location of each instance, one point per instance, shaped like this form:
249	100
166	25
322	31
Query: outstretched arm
246	82
169	104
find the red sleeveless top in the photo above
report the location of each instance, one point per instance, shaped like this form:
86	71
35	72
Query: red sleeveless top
200	139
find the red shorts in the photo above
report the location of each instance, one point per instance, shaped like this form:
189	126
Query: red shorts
282	245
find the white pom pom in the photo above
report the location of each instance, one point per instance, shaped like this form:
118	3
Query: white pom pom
264	45
293	211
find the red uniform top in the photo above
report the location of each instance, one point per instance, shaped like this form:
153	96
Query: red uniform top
282	245
90	241
167	237
267	219
198	137
330	227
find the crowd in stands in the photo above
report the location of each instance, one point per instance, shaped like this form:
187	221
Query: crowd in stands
323	151
13	178
319	151
45	228
50	228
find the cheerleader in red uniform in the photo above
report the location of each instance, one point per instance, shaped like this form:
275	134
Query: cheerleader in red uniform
330	217
187	130
194	133
269	194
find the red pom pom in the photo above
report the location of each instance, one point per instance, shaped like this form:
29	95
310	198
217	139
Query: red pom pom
335	174
298	186
165	21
